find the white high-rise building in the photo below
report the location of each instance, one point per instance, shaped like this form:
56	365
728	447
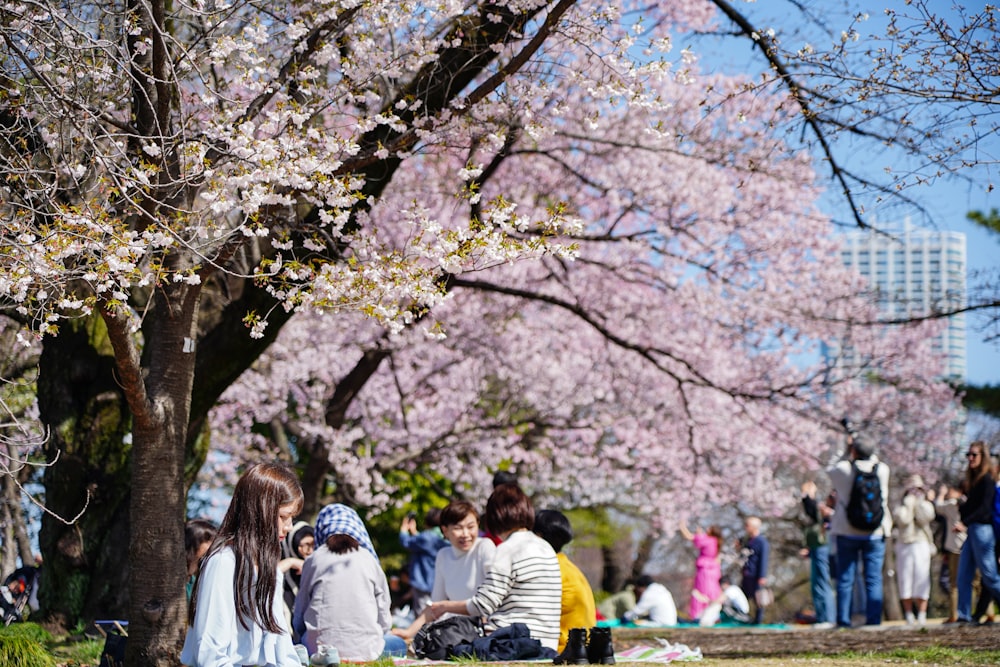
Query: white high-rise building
916	272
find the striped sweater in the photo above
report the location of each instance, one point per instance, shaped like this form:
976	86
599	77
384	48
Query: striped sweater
524	586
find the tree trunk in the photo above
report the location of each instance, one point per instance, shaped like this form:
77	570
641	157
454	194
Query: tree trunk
892	609
85	570
156	550
614	570
158	390
15	533
643	553
8	554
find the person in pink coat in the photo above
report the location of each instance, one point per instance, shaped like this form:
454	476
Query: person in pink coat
708	569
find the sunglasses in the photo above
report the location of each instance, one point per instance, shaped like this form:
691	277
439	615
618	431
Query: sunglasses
971	455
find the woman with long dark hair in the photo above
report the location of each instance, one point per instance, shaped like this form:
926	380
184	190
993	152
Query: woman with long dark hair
236	613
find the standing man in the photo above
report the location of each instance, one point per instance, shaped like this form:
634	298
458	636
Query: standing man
755	550
859	525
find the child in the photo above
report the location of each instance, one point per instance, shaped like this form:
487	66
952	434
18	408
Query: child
236	615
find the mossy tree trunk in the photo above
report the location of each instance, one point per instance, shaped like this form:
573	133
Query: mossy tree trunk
82	401
85	571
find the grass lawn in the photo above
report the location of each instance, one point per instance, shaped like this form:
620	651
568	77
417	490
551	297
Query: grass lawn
29	645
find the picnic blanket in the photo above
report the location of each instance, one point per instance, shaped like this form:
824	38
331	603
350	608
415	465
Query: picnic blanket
662	653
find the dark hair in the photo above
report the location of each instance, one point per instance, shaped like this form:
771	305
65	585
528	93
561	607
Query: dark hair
456	511
553	527
250	530
508	509
196	533
433	518
297	537
504	477
339	543
643	581
863	447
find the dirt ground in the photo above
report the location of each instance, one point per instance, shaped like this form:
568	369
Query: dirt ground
750	642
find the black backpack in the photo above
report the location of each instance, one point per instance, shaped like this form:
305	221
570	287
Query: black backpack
437	641
864	508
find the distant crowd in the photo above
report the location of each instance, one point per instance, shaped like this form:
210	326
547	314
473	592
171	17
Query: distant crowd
847	533
845	541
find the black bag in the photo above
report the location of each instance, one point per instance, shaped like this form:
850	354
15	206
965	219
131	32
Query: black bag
864	508
437	641
114	651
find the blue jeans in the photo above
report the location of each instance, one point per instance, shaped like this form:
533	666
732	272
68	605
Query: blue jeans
872	552
977	552
395	647
819	581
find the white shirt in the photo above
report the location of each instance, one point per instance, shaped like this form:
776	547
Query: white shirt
736	599
457	575
657	603
218	639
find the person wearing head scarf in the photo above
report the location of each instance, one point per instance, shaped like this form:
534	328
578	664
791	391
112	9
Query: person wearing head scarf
296	547
343	598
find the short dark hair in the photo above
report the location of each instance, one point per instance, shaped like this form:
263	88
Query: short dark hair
456	511
504	477
643	581
433	518
509	509
339	543
196	533
553	527
863	447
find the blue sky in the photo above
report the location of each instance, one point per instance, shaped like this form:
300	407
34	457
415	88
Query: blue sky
944	203
950	204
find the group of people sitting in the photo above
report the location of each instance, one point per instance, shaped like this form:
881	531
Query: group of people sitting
340	601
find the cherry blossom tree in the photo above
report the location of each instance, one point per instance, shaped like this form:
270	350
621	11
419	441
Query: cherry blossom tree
682	344
179	179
